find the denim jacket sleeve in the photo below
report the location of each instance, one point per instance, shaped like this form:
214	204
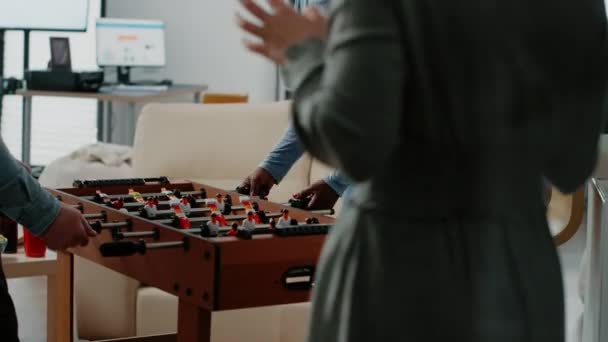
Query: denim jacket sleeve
22	198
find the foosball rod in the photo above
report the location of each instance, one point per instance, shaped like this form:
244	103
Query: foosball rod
207	219
99	216
118	235
197	201
149	194
98	226
237	208
258	228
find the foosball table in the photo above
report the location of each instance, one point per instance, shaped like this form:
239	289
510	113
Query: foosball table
213	249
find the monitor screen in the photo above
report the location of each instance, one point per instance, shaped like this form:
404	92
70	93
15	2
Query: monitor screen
127	42
61	15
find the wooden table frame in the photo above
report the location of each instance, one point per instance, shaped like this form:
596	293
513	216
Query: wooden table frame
223	263
57	267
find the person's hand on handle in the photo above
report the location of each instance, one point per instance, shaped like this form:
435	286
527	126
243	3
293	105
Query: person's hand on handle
259	182
321	195
280	29
70	229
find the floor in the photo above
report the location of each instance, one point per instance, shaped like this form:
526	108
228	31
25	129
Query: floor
30	294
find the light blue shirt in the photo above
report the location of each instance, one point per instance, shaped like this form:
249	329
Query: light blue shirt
302	4
288	150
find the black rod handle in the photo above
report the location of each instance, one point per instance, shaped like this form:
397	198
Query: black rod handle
122	248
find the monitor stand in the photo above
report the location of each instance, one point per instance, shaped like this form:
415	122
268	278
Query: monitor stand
124	75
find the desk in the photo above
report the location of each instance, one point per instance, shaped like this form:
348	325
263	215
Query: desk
104	100
58	272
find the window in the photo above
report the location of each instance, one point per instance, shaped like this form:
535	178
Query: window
59	125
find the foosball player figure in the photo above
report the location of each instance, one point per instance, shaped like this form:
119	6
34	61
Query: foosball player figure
209	230
234	230
212	205
150	208
136	196
171	196
180	220
285	220
250	221
223	205
186	204
101	197
214	223
117	204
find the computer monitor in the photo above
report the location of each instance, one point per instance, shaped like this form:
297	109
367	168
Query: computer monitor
126	43
45	15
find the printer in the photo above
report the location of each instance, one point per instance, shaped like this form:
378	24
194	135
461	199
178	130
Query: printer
64	80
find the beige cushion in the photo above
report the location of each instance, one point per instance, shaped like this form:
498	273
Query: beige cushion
294	322
105	301
157	312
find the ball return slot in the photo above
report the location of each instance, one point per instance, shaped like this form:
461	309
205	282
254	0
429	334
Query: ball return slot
298	278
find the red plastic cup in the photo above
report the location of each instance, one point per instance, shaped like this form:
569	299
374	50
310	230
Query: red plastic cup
34	246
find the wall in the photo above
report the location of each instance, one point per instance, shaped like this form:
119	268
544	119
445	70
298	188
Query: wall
203	46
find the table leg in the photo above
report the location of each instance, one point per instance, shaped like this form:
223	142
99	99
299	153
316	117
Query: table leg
64	298
100	122
51	308
26	132
193	323
107	123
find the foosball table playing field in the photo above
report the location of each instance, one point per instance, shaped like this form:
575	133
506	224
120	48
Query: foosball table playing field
213	249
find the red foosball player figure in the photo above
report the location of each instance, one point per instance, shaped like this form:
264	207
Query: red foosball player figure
284	220
212	205
234	231
117	204
184	222
249	206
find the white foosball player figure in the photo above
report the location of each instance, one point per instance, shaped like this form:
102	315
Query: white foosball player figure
221	205
250	222
184	203
214	225
150	208
284	220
